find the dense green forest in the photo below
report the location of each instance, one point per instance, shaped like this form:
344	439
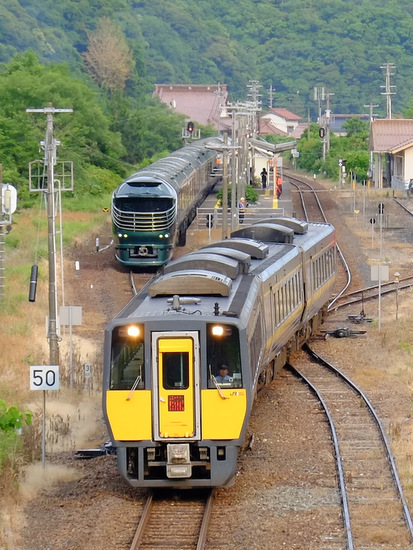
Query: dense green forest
102	57
291	45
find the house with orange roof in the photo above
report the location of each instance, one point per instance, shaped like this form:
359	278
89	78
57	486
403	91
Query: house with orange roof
391	146
202	104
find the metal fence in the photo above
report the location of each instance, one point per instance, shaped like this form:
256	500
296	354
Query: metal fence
212	217
399	184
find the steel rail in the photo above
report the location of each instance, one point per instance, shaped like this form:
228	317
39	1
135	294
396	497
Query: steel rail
205	522
339	251
146	514
383	436
339	463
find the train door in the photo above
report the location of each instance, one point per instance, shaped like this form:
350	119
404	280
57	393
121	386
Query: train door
176	388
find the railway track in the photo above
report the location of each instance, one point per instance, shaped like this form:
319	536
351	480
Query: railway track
313	210
374	510
371	292
174	521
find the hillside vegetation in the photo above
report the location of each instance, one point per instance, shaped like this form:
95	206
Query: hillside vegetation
292	45
101	58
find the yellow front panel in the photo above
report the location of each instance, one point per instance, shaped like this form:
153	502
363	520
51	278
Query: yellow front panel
130	420
223	418
176	405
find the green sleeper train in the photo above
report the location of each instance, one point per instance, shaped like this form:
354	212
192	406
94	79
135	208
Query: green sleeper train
152	209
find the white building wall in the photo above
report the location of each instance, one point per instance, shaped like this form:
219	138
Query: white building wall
408	164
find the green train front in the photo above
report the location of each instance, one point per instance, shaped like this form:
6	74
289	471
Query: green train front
152	209
144	211
172	423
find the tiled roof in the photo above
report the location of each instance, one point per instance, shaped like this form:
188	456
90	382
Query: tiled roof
391	135
299	130
267	128
283	113
198	102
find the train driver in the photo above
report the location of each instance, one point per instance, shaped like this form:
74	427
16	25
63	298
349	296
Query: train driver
223	376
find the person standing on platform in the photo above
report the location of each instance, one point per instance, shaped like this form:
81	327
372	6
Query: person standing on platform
279	184
241	209
264	178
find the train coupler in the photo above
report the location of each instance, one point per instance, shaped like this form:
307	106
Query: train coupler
178	460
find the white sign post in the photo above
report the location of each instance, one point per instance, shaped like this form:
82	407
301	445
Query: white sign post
379	273
44	377
70	315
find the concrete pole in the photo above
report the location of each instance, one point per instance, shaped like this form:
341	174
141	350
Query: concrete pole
225	190
50	151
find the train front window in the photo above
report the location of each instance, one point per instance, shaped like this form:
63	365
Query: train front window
127	358
144	204
223	348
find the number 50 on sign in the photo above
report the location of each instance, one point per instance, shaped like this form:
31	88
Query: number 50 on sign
44	377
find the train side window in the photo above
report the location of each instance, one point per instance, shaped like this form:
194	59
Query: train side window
175	370
127	361
223	347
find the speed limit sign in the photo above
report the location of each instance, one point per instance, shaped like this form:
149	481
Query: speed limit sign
44	377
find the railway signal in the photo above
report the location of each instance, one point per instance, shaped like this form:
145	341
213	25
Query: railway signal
190	132
342	171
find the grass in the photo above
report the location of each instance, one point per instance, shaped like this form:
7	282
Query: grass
22	330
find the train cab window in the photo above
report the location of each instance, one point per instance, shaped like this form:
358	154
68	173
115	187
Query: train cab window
127	358
144	204
175	368
223	348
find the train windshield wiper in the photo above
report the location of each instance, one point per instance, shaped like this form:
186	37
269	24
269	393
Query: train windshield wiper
134	386
218	387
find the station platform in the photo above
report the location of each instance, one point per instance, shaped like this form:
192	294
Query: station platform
266	207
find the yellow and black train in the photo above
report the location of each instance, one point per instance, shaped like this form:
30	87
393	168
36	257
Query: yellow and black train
246	302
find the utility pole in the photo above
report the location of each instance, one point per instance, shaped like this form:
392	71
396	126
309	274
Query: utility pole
319	96
2	241
218	93
50	160
270	96
390	67
371	116
328	121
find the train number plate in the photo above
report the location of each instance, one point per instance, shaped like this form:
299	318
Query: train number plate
176	403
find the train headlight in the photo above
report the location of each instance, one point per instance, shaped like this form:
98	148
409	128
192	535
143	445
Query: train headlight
166	235
217	330
133	331
220	330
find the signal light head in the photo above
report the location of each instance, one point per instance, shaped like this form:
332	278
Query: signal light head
190	127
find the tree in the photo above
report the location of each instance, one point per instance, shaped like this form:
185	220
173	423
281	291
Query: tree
109	59
356	128
86	137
